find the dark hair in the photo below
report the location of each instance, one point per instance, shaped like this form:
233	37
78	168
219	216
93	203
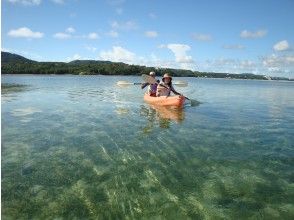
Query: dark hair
170	82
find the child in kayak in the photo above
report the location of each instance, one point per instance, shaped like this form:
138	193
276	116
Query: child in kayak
165	87
151	87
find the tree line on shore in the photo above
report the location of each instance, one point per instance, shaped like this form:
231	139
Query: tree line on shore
16	64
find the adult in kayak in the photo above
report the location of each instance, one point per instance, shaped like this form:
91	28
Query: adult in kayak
165	87
151	87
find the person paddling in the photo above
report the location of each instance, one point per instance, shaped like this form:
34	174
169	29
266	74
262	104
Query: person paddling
165	87
151	87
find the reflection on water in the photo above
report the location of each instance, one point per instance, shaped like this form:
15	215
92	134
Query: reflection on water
12	88
10	91
161	115
122	110
82	148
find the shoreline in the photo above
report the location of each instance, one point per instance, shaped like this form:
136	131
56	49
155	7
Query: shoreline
19	65
95	75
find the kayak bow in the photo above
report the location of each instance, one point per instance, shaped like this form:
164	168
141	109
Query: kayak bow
177	101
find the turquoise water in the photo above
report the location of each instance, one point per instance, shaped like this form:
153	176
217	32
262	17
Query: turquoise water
80	147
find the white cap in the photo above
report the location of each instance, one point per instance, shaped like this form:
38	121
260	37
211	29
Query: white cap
152	73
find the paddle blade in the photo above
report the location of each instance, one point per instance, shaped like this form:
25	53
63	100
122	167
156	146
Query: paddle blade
180	83
148	79
124	83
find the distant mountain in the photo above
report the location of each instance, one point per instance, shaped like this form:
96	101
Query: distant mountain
7	57
16	64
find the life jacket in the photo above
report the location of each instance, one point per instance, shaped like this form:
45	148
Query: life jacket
152	89
163	90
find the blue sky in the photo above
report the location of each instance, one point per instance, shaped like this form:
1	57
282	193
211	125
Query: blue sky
255	36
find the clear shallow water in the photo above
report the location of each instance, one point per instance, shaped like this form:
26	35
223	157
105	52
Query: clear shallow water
80	147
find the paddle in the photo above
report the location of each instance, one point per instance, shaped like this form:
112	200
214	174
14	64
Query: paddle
126	83
151	80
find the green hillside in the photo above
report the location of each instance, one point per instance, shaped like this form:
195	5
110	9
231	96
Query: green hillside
16	64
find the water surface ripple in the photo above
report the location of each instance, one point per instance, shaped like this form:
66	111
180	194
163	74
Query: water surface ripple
79	147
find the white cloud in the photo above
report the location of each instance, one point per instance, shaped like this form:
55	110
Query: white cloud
69	34
74	57
58	1
247	64
223	61
233	46
251	34
202	37
281	46
62	36
114	25
72	15
77	56
151	34
90	48
118	54
278	61
25	33
66	35
6	50
154	61
162	46
112	33
70	30
228	65
180	52
34	2
26	2
273	65
119	11
289	59
279	65
93	36
152	15
126	26
115	2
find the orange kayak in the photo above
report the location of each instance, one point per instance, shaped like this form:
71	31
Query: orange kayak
177	101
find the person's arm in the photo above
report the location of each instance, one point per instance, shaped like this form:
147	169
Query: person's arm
144	85
174	91
158	89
